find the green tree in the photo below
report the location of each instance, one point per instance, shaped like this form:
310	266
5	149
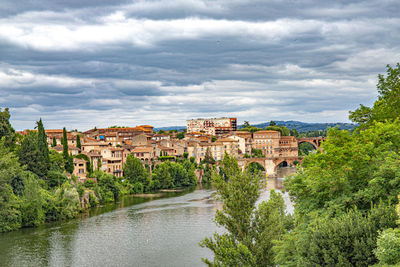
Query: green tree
272	123
6	130
294	132
355	169
78	142
387	107
348	239
54	143
42	145
162	176
32	202
180	135
10	169
208	158
282	129
388	247
250	229
68	160
30	155
135	172
246	124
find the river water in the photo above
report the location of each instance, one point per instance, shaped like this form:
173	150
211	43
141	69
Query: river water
137	231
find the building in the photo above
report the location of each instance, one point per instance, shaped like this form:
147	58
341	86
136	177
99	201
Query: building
217	149
215	126
80	169
274	145
118	136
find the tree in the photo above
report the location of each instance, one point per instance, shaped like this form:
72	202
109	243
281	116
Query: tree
162	178
246	124
294	132
10	169
250	230
387	107
6	130
78	142
54	143
348	239
135	172
208	158
388	247
356	169
272	123
30	155
180	135
282	129
32	202
42	145
68	160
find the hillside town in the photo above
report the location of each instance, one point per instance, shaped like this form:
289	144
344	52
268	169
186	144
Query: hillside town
108	148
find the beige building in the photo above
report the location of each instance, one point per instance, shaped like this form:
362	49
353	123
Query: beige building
217	149
274	145
80	169
214	126
143	153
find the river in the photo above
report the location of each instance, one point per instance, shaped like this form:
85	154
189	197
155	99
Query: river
136	231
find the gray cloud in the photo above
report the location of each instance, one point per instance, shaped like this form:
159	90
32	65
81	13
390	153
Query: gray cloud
98	63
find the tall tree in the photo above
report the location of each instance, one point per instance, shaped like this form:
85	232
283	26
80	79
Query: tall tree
6	130
54	142
42	144
78	142
68	161
387	107
30	155
250	230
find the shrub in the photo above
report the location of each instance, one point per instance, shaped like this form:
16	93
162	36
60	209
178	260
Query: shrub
388	247
138	188
89	184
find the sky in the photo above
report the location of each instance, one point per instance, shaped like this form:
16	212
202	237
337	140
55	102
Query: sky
86	63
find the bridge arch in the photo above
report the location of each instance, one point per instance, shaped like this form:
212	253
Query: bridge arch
309	142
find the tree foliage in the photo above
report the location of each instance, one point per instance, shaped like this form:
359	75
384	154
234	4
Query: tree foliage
68	160
251	229
387	107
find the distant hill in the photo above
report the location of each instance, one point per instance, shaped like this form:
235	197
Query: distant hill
298	125
167	128
306	126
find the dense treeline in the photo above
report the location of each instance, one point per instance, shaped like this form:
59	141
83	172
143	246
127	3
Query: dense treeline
34	183
345	199
166	175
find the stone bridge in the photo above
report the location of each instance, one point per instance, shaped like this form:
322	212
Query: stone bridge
269	164
314	141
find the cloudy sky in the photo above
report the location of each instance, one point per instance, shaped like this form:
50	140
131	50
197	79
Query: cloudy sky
85	63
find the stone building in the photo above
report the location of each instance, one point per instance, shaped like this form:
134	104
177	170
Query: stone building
214	126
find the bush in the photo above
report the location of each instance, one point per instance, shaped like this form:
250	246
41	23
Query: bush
89	184
388	247
93	200
346	240
138	188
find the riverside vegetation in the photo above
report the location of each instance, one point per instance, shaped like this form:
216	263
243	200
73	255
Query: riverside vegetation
345	199
34	187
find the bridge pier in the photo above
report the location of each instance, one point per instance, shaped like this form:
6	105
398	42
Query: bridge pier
269	167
